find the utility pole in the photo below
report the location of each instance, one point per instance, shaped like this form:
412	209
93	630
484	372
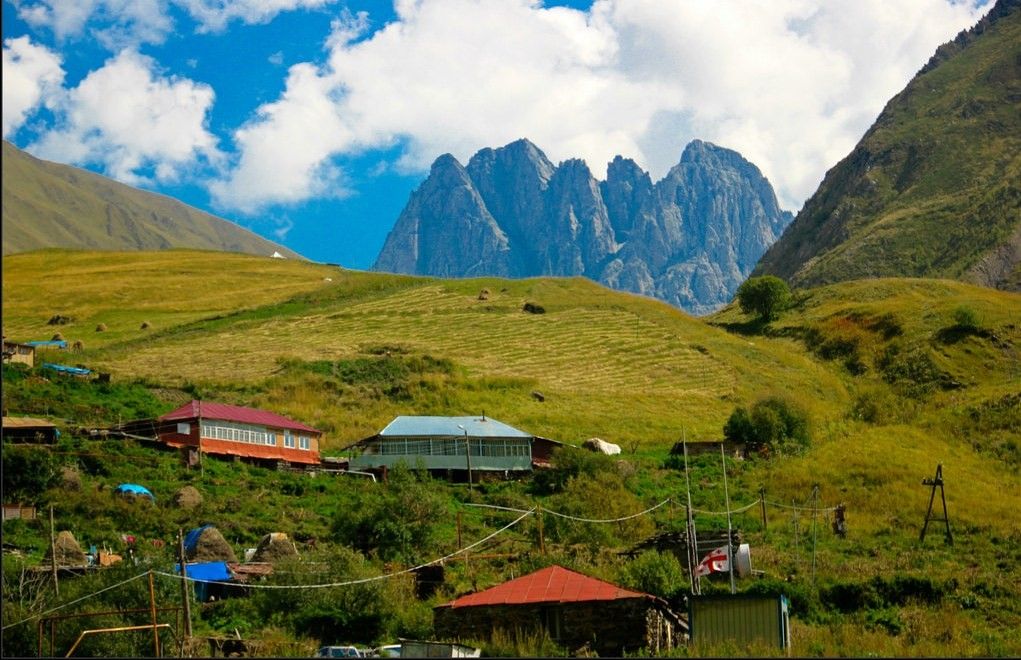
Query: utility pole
815	512
762	502
185	598
542	540
467	455
730	530
53	553
696	581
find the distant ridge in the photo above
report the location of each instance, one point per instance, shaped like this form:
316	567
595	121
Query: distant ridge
934	187
689	239
49	205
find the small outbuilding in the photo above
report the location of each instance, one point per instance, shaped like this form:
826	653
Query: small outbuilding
740	619
29	429
574	609
17	353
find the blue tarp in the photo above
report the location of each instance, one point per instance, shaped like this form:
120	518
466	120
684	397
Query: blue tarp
134	489
64	369
203	573
191	539
55	343
207	571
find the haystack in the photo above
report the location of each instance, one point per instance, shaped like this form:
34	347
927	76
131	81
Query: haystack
57	337
146	325
69	553
188	497
101	327
484	294
210	546
274	547
70	478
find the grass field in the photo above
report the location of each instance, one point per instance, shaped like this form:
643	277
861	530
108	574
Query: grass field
891	381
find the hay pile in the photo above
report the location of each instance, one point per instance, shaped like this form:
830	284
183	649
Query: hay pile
188	497
211	546
57	337
146	325
274	547
69	553
484	294
70	478
101	327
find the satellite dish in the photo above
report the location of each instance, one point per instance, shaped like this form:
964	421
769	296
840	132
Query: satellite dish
743	560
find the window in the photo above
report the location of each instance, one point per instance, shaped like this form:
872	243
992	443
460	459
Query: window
184	428
288	439
304	442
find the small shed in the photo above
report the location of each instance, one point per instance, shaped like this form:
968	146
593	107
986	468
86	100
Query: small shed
17	353
29	429
574	609
740	618
42	344
79	372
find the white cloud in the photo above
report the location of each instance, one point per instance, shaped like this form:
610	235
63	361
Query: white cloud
791	84
136	125
214	15
32	76
119	24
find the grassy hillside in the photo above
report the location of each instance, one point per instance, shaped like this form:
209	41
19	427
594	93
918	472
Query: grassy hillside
932	190
891	380
51	205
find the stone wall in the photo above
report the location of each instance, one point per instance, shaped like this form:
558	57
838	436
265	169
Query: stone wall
608	627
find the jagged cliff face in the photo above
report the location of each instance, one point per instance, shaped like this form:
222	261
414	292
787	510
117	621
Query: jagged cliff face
689	239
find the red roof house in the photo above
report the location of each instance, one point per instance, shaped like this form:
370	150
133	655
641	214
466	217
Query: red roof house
220	428
574	609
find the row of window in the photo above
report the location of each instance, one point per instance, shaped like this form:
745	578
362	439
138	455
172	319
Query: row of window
256	435
449	447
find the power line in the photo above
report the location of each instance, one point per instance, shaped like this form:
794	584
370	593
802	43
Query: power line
346	583
59	607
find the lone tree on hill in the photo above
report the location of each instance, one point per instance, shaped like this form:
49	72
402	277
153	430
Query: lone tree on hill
767	296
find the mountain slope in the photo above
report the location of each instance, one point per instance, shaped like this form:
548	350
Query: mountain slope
51	205
689	239
934	187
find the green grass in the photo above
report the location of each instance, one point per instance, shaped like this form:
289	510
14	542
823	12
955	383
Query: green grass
348	355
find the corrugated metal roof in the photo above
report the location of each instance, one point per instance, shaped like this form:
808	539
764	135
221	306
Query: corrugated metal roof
554	584
240	414
64	369
478	427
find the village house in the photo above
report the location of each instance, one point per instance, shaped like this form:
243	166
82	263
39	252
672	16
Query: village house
17	353
441	444
29	429
241	432
574	609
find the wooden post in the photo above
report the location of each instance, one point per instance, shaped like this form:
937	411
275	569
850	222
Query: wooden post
185	597
468	458
762	502
152	607
53	552
937	482
458	530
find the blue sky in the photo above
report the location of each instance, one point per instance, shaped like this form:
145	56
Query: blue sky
311	121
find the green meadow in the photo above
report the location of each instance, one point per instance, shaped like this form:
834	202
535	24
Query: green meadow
893	375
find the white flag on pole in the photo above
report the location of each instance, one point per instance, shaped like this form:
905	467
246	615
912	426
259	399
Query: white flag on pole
714	562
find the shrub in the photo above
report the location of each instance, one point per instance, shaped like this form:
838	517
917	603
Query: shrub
966	318
766	296
656	573
773	425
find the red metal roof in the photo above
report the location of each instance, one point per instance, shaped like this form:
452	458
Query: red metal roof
554	584
240	414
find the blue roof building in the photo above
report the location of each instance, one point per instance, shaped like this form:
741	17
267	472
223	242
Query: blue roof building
440	443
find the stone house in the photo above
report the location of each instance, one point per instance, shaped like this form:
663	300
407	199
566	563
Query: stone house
574	609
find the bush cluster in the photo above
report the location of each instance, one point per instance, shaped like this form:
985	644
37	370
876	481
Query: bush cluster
773	425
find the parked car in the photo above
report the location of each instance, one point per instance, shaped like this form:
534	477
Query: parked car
339	652
388	651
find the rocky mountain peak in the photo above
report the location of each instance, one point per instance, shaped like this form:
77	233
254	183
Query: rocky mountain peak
689	239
